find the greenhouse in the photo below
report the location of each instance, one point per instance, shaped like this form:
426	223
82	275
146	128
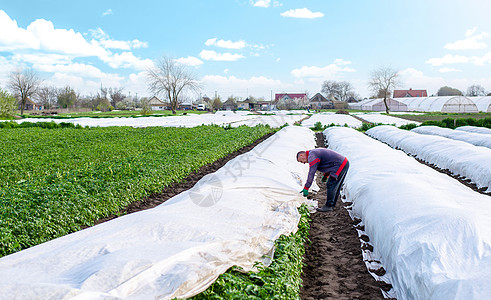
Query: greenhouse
483	103
378	105
447	104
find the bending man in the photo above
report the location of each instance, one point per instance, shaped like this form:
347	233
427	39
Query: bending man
333	165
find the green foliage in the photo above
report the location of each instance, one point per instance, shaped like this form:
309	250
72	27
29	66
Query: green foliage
46	125
408	126
454	123
54	182
365	126
281	280
8	105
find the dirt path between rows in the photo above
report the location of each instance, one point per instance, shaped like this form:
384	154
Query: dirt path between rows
334	265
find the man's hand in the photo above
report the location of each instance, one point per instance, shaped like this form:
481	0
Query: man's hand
324	178
305	192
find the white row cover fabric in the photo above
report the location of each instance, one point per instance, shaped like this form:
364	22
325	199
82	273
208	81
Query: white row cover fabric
431	233
474	129
179	248
385	119
458	157
191	120
327	118
476	139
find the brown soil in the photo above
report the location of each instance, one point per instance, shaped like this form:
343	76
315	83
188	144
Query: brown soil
334	268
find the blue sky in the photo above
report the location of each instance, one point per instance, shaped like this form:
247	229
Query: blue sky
249	47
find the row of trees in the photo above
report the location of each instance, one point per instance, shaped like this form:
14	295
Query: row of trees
26	84
171	80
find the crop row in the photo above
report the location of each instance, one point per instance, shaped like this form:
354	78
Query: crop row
53	182
280	280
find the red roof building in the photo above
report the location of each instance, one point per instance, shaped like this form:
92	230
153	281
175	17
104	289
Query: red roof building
409	93
278	97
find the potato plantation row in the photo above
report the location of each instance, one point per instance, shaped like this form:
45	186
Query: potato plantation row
55	181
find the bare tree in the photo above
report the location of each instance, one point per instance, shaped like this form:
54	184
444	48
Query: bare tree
340	90
476	90
47	96
330	88
383	81
24	84
170	78
116	95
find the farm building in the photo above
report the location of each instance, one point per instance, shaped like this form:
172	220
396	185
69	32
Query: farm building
158	104
378	105
447	104
483	103
410	93
320	102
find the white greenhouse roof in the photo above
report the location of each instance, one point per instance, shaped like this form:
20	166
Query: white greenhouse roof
483	103
442	104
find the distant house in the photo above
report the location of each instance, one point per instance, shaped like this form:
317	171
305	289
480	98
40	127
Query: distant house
185	106
320	102
288	96
246	104
30	105
229	105
290	100
410	93
264	105
158	104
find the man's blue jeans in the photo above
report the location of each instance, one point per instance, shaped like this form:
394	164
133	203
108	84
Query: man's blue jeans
333	186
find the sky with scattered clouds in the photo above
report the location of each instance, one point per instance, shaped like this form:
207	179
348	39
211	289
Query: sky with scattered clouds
248	47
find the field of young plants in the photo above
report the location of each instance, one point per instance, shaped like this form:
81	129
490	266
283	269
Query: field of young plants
55	181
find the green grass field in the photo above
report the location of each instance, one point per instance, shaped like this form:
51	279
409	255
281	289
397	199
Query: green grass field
55	181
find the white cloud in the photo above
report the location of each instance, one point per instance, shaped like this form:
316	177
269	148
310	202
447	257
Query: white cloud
107	12
127	60
328	71
225	71
303	13
42	58
470	32
105	41
470	43
459	59
212	55
447	59
226	44
448	70
190	61
259	86
261	3
265	3
41	35
79	69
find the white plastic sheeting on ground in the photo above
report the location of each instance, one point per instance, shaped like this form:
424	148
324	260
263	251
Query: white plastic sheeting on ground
476	139
458	157
327	118
177	249
474	129
191	120
385	119
431	233
276	120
